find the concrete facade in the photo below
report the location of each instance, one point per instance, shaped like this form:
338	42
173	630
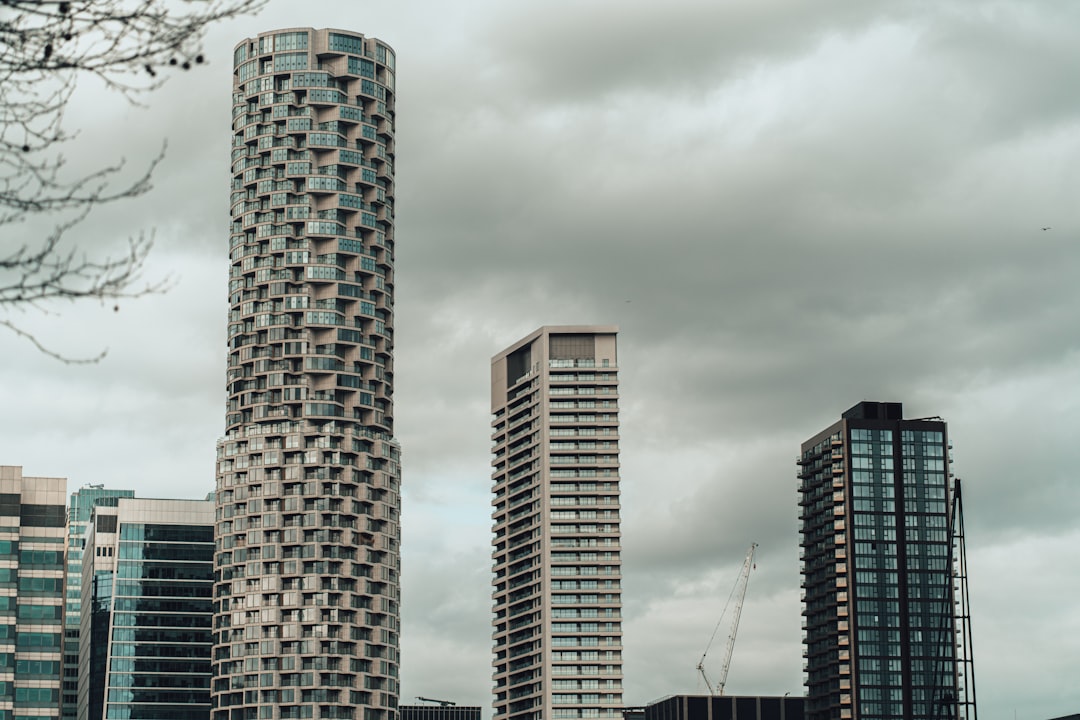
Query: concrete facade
556	548
32	527
308	496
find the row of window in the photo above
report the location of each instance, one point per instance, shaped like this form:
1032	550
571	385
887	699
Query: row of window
612	684
886	463
585	699
584	557
572	529
585	655
30	695
583	472
38	614
33	641
584	514
585	570
912	476
587	670
584	612
583	500
607	599
587	641
584	584
31	586
587	627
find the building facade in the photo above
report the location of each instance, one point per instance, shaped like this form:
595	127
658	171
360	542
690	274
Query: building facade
32	513
306	598
438	712
726	707
879	612
80	508
147	578
557	558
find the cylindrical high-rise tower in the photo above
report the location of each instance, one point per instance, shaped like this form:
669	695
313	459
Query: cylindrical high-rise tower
307	557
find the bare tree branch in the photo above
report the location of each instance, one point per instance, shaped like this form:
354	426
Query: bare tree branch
46	48
67	359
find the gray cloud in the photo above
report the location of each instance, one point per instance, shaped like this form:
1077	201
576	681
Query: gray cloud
786	207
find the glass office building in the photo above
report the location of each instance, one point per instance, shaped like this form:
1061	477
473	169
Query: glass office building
146	611
80	507
877	576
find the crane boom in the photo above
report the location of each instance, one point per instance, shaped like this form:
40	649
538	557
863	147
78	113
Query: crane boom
441	703
738	593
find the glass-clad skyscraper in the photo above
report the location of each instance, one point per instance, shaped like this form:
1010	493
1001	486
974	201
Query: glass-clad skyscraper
80	508
306	598
146	611
877	576
556	556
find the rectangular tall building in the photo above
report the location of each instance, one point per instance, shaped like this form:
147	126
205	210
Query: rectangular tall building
438	712
32	530
879	612
80	508
308	497
557	559
148	573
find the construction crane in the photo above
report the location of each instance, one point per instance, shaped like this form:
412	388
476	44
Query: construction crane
738	593
442	703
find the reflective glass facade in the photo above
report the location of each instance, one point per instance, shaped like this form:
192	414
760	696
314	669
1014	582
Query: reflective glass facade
306	592
556	555
80	507
879	613
146	616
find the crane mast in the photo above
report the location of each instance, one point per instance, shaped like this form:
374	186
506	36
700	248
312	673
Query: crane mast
738	594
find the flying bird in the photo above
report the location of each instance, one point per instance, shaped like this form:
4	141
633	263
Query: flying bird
1046	228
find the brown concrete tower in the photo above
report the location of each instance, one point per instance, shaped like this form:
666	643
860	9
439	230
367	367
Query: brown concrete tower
307	557
557	559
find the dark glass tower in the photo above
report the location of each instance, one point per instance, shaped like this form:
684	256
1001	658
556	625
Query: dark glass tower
306	594
877	577
81	507
146	580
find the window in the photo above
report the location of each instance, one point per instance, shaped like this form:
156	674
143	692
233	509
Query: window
290	61
291	41
346	43
37	641
362	67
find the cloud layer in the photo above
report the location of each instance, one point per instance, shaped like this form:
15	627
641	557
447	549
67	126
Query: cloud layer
787	208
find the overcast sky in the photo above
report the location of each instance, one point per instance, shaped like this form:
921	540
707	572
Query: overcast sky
786	206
